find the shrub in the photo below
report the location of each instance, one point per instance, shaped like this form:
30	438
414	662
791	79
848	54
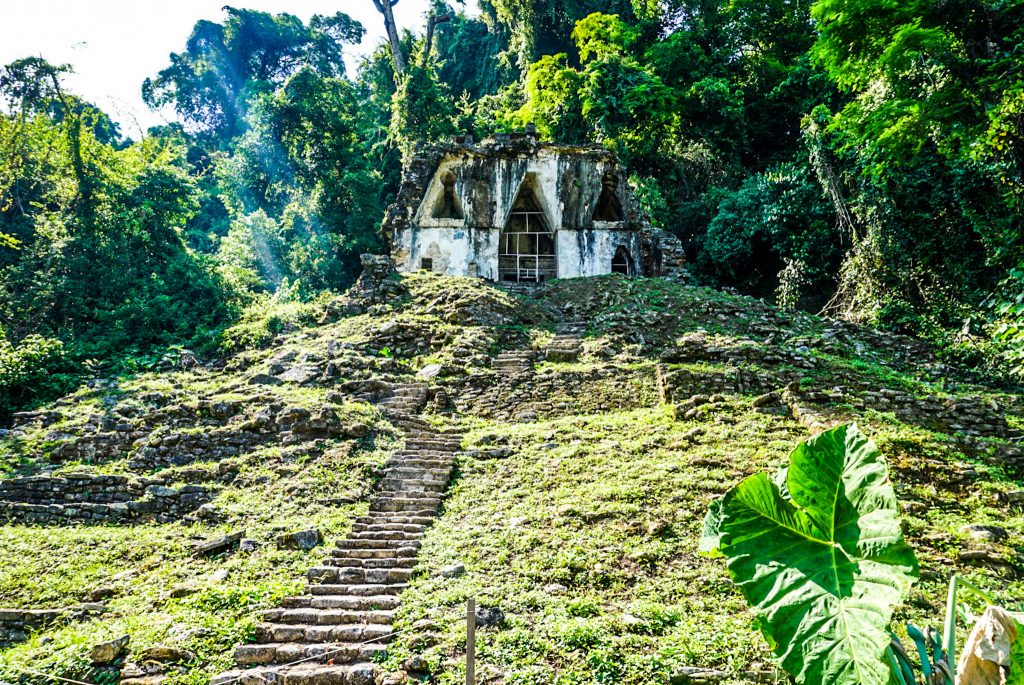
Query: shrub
34	371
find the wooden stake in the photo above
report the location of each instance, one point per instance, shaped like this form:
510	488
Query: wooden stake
471	641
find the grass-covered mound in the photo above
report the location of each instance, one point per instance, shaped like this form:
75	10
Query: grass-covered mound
579	518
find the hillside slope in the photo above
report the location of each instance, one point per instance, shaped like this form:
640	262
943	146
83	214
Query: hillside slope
598	418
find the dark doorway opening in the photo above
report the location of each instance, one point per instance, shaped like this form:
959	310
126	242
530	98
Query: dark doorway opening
622	262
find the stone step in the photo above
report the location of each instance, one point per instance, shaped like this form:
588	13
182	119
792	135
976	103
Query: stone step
418	476
358	562
344	557
401	502
389	486
286	652
428	509
421	499
427	452
359	673
354	632
423	460
383	518
327	616
357	590
377	552
395	485
355	603
409	392
413	506
378	525
433	465
512	369
414	475
400	470
351	574
438	445
439	457
408	405
360	544
393	536
297	602
429	447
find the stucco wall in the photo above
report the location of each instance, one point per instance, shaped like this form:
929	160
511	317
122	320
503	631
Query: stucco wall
589	252
453	251
474	252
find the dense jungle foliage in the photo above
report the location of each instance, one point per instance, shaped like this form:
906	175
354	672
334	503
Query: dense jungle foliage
862	156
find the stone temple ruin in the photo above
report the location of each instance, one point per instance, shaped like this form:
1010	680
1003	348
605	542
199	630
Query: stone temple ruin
513	209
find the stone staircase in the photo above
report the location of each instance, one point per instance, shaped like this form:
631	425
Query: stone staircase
405	398
345	619
567	343
523	289
511	362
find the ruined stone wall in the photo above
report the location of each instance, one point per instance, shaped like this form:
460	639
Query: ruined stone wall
16	625
677	385
85	498
531	396
975	417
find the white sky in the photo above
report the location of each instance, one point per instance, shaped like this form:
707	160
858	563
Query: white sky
115	44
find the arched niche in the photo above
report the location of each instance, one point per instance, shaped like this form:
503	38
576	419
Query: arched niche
608	209
447	205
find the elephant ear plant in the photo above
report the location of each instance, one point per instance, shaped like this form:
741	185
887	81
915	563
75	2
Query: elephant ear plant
819	555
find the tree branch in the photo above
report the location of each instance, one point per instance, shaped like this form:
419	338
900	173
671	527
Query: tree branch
431	23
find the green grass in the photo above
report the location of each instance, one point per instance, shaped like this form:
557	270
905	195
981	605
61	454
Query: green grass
610	507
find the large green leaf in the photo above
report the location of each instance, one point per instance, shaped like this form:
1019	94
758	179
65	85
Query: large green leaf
819	555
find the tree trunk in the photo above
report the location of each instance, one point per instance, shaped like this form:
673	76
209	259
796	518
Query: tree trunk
384	7
431	23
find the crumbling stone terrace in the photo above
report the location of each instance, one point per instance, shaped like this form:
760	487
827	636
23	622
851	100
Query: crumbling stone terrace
85	498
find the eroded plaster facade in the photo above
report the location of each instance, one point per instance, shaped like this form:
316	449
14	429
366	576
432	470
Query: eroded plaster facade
515	209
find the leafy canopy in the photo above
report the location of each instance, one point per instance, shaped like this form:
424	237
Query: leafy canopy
210	83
